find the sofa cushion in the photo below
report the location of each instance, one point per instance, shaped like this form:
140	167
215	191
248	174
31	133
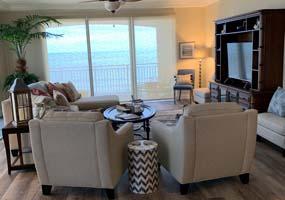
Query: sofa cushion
94	102
197	110
74	116
272	122
277	103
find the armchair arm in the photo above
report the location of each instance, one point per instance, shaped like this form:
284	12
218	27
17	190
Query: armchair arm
119	150
126	129
162	134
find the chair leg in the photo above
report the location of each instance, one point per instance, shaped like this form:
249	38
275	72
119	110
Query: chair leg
110	193
179	95
184	189
46	189
244	178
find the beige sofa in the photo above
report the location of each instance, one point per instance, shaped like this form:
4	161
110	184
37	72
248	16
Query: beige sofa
84	104
79	149
210	141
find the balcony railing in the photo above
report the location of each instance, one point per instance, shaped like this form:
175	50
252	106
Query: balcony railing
108	79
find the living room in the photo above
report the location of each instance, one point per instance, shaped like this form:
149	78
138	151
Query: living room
100	87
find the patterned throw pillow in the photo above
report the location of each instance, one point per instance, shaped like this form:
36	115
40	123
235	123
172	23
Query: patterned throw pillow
58	87
71	96
184	79
75	91
277	103
51	87
60	99
39	92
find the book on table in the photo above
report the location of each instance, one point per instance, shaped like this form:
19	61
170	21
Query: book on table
126	116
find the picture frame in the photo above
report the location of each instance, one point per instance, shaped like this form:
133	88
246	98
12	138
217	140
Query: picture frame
186	50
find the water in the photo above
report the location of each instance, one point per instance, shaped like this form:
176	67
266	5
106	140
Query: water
111	70
77	59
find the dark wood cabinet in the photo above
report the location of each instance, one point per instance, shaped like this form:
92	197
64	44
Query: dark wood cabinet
265	30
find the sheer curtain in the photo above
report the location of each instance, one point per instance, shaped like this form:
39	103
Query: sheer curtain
155	43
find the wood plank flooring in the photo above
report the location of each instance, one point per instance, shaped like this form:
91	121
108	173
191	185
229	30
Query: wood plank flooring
267	182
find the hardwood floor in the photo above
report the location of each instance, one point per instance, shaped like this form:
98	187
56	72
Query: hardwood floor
267	182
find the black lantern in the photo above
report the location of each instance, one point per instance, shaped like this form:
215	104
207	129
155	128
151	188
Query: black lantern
20	96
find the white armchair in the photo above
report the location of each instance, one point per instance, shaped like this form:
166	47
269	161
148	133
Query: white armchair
79	149
210	141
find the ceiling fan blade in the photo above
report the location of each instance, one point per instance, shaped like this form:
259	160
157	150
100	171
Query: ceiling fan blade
128	1
91	1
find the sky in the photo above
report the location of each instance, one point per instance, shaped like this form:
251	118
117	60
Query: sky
103	37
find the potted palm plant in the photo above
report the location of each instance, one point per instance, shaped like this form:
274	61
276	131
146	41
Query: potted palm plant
19	34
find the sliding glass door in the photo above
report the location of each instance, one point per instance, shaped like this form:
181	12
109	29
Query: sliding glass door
110	50
122	56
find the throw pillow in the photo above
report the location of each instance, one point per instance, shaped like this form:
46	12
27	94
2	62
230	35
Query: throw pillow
184	79
277	103
58	87
60	99
75	91
71	96
51	87
39	92
41	85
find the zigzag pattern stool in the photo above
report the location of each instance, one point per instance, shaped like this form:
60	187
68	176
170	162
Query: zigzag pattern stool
143	167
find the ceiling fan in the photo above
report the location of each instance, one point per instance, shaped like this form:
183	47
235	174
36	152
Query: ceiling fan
112	5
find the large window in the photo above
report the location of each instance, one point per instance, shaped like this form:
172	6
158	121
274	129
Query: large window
68	55
122	56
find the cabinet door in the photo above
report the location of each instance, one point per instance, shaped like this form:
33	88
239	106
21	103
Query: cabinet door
215	92
233	95
245	100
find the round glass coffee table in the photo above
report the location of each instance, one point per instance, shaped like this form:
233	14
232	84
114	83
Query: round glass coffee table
148	112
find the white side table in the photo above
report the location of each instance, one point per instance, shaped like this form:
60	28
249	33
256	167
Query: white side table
143	167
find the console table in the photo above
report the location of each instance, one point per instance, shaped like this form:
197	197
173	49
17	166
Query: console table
18	130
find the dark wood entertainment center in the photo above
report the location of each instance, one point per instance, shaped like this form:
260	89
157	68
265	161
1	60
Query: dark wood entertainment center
265	30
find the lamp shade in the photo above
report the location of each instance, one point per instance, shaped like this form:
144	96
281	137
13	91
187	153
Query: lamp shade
20	96
202	52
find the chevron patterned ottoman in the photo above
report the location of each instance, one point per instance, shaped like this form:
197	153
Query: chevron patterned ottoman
143	167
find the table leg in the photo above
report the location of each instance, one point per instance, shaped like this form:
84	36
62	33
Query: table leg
147	129
20	148
7	148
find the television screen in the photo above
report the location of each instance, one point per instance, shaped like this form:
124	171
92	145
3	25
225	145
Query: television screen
240	60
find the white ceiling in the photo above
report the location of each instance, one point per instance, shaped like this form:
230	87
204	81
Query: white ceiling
75	4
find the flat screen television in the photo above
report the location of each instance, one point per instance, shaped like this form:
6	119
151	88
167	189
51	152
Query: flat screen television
240	60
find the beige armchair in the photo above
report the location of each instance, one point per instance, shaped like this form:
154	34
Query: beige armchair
79	149
210	141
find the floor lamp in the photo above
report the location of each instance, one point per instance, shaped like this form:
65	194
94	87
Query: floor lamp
201	55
